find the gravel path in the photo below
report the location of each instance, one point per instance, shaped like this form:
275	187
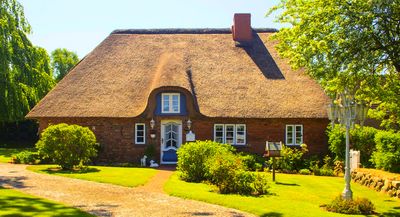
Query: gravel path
106	199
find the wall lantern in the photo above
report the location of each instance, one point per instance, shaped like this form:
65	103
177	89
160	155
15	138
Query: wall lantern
189	124
152	131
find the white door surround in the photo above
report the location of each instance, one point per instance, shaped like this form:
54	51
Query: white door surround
171	140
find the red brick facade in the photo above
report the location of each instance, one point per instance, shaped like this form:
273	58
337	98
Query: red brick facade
116	135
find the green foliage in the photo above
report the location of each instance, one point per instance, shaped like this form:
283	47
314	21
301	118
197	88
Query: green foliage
150	151
220	165
26	157
252	162
24	69
357	206
321	36
228	173
62	60
222	170
192	157
361	138
387	154
325	170
305	172
291	158
68	145
337	141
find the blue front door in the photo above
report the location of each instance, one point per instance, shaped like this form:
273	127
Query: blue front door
171	139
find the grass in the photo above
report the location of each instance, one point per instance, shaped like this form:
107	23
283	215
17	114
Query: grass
124	176
291	195
15	203
7	153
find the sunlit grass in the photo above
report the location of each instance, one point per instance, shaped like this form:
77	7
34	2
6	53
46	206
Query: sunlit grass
291	195
15	203
124	176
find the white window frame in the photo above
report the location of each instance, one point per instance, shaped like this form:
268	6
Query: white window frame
294	134
223	132
171	110
244	142
144	133
224	126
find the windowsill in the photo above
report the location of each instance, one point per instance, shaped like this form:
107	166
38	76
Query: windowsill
294	145
140	144
240	145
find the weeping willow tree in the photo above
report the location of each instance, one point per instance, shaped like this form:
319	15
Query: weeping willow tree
25	72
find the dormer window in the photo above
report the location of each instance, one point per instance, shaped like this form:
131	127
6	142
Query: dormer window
170	103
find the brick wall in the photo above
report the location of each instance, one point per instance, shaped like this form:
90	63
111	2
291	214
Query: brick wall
116	135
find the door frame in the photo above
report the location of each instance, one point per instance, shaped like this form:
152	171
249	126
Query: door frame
162	139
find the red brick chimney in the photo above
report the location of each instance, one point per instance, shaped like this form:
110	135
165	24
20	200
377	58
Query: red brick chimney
241	28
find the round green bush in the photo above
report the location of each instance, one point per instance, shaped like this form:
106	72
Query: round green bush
68	145
230	175
192	157
357	206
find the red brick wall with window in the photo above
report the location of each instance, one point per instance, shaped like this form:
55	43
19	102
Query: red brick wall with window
116	135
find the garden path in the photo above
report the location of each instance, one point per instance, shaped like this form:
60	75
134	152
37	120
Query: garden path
108	200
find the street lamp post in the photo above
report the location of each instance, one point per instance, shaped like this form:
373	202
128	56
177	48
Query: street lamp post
347	111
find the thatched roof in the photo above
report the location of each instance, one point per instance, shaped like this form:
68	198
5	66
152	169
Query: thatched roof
117	77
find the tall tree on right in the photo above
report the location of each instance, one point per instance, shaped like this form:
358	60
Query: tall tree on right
62	60
347	44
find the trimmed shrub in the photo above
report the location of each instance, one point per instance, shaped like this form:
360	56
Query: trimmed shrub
305	172
228	173
26	157
68	145
193	156
387	154
357	206
291	158
252	162
361	138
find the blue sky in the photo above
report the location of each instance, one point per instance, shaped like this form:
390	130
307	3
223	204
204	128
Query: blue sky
80	25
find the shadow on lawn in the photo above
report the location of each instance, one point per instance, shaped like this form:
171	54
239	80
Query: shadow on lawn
287	184
272	214
58	170
28	206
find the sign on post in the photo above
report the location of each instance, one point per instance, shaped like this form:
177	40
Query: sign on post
273	149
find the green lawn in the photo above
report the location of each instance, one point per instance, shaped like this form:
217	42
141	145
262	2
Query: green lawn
7	153
292	195
15	203
125	176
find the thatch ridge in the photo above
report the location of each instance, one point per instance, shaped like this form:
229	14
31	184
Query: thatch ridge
187	31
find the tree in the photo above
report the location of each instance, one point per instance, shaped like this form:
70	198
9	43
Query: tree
25	73
62	60
346	44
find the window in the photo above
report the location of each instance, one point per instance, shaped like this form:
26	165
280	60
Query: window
170	103
294	134
240	134
140	133
230	134
219	133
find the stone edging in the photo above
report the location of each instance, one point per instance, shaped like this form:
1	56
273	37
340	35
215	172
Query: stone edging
386	185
